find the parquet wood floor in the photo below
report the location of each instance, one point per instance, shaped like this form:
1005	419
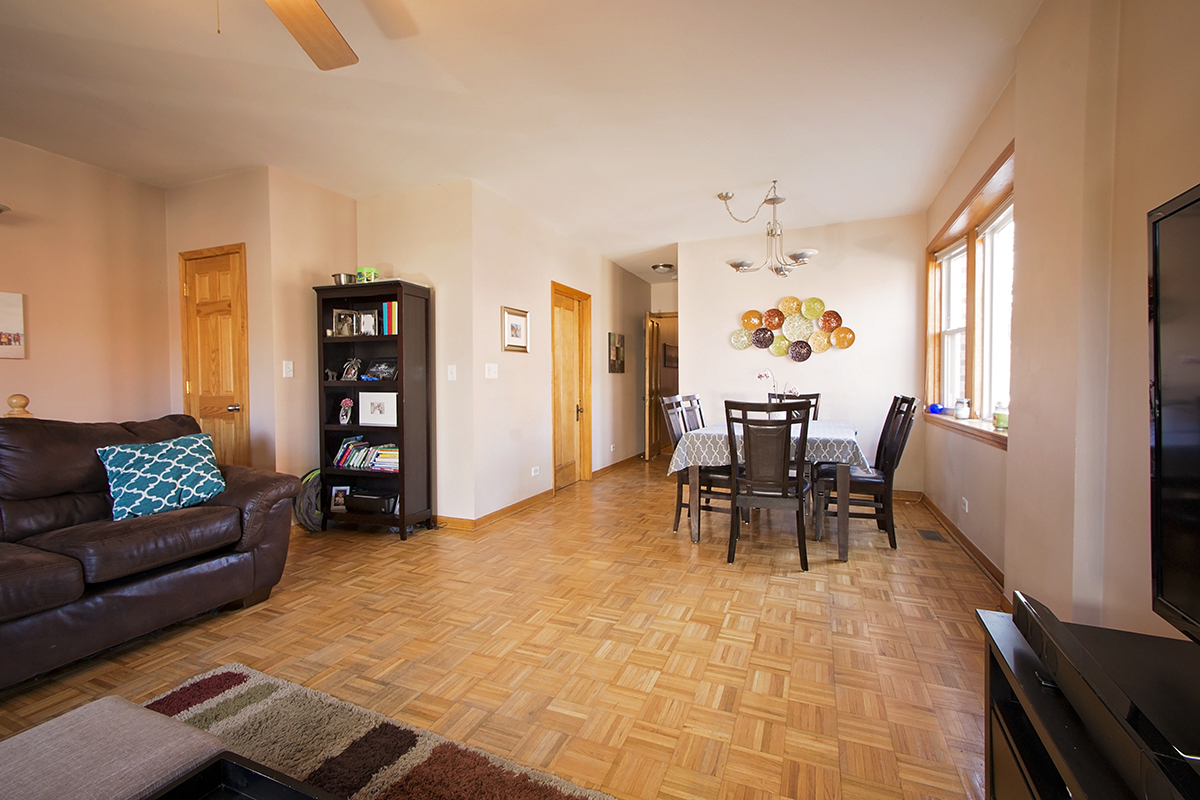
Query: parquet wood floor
582	637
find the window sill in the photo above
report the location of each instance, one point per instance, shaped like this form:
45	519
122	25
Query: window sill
971	428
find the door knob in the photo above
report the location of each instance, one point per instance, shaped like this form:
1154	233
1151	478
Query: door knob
234	407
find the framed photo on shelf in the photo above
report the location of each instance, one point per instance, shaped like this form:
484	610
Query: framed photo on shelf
383	369
345	322
377	408
368	323
337	499
514	329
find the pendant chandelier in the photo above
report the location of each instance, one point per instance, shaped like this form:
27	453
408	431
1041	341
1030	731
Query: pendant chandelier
776	261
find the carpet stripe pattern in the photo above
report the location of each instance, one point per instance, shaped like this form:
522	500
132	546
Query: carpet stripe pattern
347	750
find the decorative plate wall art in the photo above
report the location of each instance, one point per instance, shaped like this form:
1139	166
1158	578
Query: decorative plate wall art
793	328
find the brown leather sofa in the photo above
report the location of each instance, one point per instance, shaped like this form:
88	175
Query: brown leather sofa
73	582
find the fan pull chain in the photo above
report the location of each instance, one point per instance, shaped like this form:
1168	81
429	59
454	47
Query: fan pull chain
218	17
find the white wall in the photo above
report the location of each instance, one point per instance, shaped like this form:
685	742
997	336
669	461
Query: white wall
313	235
228	210
85	247
664	297
872	272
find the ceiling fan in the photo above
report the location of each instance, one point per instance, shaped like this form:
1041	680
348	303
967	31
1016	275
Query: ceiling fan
312	29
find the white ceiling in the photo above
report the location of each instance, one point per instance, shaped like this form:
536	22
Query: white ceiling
617	121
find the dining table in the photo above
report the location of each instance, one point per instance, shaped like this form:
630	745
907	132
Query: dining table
832	441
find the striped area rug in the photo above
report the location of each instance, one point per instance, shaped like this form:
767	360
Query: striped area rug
345	749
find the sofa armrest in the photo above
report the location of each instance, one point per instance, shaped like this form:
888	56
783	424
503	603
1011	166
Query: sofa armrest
255	492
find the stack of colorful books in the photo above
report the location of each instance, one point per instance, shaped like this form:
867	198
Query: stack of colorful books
354	453
390	324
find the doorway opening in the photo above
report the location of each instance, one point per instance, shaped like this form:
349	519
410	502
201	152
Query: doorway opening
571	337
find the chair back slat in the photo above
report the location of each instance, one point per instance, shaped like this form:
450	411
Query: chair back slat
814	398
672	407
768	462
693	412
895	434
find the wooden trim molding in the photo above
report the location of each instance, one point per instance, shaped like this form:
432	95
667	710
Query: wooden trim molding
621	463
457	524
977	429
991	570
993	189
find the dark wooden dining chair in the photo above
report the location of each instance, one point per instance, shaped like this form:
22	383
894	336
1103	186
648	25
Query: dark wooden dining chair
814	398
714	481
871	488
766	475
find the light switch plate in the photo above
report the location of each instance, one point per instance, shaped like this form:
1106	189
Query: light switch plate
491	370
288	369
451	372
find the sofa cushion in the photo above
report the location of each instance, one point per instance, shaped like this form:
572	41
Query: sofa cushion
46	457
162	476
109	550
21	518
33	580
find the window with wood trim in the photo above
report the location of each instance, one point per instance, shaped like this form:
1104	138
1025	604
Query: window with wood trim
969	295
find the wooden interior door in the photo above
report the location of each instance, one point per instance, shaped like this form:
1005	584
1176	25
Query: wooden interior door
653	389
216	360
571	336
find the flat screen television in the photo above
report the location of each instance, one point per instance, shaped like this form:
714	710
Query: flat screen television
1175	410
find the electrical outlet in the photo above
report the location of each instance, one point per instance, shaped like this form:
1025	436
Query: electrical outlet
451	373
964	504
612	448
535	471
288	369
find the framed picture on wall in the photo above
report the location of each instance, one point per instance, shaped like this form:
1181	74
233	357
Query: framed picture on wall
616	352
670	356
12	325
514	329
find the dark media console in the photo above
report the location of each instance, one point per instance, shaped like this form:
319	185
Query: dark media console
1086	712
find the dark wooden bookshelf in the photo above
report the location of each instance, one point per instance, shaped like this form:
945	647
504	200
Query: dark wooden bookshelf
412	347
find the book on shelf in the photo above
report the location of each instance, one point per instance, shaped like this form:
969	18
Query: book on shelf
354	453
390	313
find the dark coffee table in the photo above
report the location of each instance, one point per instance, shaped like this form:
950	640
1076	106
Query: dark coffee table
228	776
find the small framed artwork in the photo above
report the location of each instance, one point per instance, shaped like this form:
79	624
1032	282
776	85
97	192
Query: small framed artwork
368	323
616	352
670	356
377	408
514	329
345	322
380	369
337	499
12	325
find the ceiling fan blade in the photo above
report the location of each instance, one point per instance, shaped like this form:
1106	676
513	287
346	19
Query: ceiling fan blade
309	25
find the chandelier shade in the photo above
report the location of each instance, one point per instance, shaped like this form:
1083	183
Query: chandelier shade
777	261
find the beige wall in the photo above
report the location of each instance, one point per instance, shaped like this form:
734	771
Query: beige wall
313	235
1053	547
516	256
84	246
424	236
872	272
228	210
664	297
478	252
1157	158
957	466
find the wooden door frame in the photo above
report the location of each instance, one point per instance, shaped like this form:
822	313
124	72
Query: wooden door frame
238	298
649	410
585	368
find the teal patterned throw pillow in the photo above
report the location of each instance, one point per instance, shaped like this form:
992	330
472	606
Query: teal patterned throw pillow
148	479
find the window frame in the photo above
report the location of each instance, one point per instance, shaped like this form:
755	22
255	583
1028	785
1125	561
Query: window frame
982	205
